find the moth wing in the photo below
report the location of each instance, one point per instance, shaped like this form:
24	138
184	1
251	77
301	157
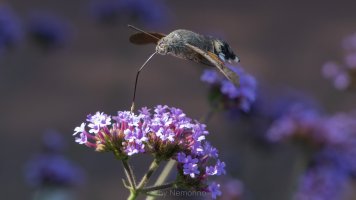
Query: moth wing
218	63
144	38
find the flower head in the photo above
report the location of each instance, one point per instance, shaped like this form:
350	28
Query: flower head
332	160
297	123
50	167
167	133
52	170
224	92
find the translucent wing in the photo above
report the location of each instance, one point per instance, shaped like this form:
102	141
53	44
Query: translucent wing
146	38
217	62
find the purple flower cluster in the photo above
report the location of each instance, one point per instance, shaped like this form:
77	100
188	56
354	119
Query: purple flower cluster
10	29
51	167
52	170
297	123
333	139
226	93
322	182
343	75
149	12
166	134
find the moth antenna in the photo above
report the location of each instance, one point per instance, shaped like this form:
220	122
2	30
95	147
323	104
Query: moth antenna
140	30
136	81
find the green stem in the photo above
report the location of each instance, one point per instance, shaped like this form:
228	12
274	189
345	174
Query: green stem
129	174
165	173
133	195
154	165
163	176
158	187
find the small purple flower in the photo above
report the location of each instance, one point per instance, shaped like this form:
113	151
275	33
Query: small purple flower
190	166
82	139
218	169
181	157
134	148
209	150
214	188
98	121
191	169
145	112
79	129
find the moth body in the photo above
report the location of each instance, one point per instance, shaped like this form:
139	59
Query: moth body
175	44
188	45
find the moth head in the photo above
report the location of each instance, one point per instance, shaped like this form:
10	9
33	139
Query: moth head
162	47
223	50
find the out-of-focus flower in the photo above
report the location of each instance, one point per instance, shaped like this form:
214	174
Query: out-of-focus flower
322	182
53	170
343	75
297	123
47	30
166	134
232	189
339	76
148	12
223	92
50	167
10	29
331	162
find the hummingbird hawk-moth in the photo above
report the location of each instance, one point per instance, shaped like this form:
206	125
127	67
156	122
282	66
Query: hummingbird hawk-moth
188	45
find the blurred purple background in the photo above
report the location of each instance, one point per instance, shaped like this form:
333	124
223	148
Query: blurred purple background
283	44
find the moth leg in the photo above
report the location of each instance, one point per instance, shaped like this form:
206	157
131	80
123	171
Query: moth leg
218	63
